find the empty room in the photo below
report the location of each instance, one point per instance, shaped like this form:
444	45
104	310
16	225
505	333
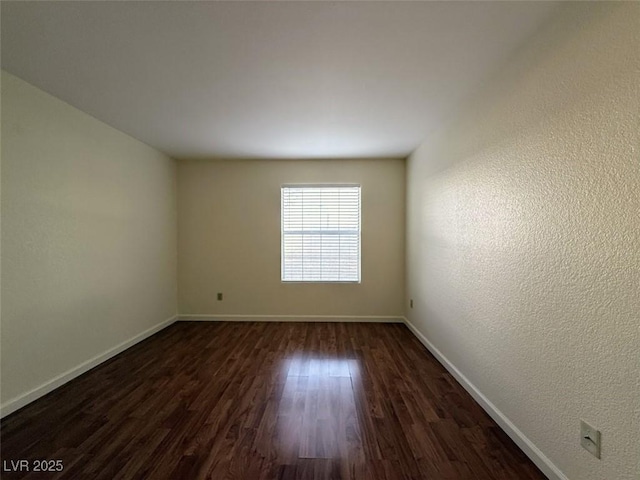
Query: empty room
355	240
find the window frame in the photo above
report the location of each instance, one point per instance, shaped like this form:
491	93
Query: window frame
282	233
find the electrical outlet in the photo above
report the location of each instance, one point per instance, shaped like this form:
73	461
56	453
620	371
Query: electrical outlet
590	439
219	296
411	303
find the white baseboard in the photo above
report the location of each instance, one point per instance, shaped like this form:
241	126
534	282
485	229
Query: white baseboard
527	446
290	318
21	400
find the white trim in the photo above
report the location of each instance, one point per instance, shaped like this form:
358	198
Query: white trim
290	318
527	446
319	185
26	398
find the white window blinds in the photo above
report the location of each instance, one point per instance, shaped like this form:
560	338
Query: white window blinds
321	233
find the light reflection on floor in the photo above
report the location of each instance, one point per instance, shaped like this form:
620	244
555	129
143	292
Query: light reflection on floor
317	412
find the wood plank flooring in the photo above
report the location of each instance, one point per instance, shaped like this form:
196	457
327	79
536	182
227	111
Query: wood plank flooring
258	401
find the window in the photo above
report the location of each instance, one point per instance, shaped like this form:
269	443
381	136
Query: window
321	233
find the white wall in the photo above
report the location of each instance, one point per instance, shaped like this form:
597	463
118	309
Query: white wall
524	239
229	238
88	240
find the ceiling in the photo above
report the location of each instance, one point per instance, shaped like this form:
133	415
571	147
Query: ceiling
266	79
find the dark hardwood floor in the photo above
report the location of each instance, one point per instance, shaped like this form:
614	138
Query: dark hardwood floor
265	401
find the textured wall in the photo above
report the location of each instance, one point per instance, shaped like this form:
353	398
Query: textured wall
524	239
88	238
229	238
